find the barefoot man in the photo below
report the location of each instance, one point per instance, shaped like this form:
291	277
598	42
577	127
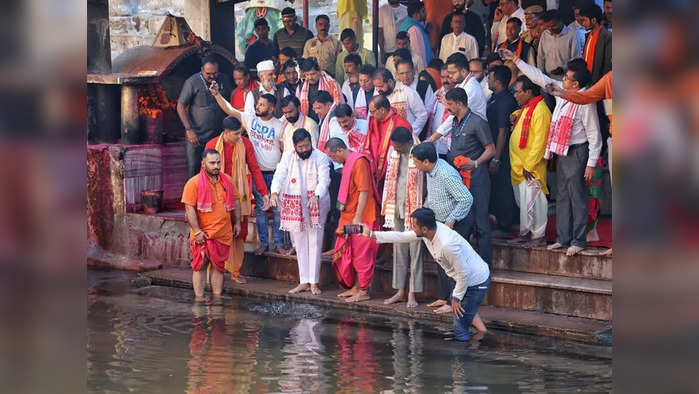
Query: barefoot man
237	161
402	194
355	255
458	259
302	178
212	208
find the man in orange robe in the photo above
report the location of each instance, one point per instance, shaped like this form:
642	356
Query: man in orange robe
238	161
211	206
355	256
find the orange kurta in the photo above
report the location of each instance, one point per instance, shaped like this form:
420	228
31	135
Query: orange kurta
217	223
359	182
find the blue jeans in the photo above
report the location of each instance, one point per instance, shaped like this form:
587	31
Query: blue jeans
470	303
261	216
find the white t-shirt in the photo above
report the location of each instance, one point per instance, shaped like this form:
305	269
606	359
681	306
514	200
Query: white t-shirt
264	136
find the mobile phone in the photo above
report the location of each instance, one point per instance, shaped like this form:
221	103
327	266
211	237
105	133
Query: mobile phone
353	229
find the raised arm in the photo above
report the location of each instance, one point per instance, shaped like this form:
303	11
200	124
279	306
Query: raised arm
224	104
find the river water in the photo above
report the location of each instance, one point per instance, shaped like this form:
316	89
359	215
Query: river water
153	339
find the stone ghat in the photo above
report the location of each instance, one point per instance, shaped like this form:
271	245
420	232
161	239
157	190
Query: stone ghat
530	286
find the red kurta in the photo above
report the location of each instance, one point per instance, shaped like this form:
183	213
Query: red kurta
378	141
250	159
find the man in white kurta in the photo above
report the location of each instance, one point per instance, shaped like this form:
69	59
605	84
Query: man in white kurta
348	128
300	189
294	119
265	71
403	99
459	74
406	76
458	40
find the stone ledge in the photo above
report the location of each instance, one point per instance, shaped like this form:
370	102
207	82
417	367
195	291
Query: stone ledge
525	322
97	258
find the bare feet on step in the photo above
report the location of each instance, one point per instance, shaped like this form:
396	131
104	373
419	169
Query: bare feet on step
412	302
348	293
362	295
437	303
399	296
300	288
573	250
315	290
554	246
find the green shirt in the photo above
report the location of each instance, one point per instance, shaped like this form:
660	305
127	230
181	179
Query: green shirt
366	55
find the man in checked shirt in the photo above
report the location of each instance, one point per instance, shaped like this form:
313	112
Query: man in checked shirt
450	200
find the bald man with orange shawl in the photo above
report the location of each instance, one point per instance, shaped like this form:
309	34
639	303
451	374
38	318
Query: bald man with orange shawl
382	122
355	256
238	161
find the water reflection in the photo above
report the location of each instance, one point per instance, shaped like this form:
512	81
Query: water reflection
153	339
302	363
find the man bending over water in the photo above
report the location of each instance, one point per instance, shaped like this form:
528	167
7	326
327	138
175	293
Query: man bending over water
459	260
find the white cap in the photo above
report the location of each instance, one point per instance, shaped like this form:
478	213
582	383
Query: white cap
265	65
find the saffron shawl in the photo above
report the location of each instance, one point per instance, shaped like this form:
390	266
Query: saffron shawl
239	172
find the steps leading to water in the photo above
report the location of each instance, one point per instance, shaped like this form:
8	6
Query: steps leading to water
524	278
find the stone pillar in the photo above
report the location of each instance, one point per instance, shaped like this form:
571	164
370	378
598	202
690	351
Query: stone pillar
99	54
198	16
102	100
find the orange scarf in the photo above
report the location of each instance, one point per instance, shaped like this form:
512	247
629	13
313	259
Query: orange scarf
590	46
238	169
529	109
436	77
460	161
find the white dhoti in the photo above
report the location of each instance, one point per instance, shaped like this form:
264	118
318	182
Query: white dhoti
308	246
533	208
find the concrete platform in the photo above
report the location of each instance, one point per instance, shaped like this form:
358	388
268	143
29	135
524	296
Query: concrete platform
533	323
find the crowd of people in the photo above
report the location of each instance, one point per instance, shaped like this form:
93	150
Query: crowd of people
442	146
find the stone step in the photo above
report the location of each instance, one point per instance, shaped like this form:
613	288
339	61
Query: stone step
577	297
164	238
525	322
589	263
588	298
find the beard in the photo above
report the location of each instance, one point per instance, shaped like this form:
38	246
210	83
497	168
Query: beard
261	114
387	92
293	119
268	84
305	155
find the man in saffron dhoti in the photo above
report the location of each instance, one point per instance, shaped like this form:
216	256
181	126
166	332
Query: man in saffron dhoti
238	161
211	206
300	188
355	255
403	194
528	166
